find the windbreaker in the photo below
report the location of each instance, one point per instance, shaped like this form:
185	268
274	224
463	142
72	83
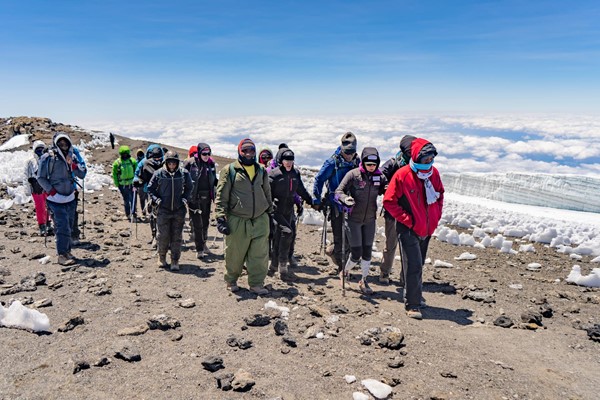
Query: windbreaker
331	174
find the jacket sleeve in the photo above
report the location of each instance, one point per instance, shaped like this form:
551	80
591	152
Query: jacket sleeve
390	202
115	173
153	187
267	188
187	185
43	173
138	171
387	169
340	192
302	191
80	172
383	183
223	193
322	176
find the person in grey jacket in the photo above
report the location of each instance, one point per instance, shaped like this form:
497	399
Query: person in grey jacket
358	192
170	189
56	173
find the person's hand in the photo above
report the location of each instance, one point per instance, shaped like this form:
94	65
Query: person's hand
299	210
137	183
349	201
286	229
52	192
222	226
184	202
157	201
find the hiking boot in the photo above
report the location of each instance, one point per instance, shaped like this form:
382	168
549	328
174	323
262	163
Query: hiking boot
70	256
63	259
293	262
200	255
259	290
232	287
284	272
273	267
174	265
162	261
414	313
75	242
364	286
384	279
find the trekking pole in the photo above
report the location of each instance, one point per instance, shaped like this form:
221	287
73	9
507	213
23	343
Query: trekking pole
134	204
343	253
324	233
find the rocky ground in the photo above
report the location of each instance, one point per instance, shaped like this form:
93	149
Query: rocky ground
123	328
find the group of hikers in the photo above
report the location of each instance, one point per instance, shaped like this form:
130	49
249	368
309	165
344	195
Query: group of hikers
259	199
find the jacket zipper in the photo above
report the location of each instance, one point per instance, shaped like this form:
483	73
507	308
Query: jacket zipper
368	199
172	192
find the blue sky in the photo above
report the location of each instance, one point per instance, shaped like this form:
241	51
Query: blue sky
76	61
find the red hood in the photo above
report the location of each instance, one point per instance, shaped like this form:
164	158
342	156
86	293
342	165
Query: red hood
416	147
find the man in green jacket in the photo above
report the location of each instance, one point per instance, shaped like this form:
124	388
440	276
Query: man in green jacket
123	174
243	205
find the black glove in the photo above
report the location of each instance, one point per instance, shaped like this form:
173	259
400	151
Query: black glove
299	210
222	226
138	183
35	186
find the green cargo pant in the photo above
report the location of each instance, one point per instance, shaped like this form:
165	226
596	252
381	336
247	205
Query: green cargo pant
247	243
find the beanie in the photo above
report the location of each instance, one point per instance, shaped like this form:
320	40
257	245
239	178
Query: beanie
349	143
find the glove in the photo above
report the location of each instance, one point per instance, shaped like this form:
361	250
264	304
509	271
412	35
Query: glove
349	201
222	226
52	192
137	183
299	210
184	201
157	201
75	166
286	229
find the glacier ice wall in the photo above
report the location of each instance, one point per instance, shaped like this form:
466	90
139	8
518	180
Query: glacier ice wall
570	192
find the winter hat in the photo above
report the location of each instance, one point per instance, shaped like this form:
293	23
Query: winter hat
246	144
279	156
139	152
287	154
193	150
172	156
124	150
203	147
38	143
265	155
405	144
428	150
370	154
282	145
349	143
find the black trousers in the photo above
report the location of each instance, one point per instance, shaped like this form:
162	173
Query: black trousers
414	253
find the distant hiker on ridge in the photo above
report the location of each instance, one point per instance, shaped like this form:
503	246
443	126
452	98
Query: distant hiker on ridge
112	140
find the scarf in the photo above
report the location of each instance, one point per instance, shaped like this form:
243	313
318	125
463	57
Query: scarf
432	195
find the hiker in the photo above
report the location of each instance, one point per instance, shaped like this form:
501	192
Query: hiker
388	169
204	177
143	173
37	192
414	198
331	174
264	158
123	172
112	140
243	203
142	195
286	184
170	188
56	174
358	192
193	150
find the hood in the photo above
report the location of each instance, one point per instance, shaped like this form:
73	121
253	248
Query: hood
61	135
405	144
152	147
420	148
370	154
193	150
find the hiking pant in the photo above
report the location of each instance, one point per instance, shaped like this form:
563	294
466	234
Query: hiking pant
170	231
41	210
75	227
294	234
247	243
337	224
200	221
63	221
391	243
142	196
414	252
128	199
360	237
282	242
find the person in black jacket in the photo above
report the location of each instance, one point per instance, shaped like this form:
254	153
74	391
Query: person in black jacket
388	169
204	176
285	184
170	189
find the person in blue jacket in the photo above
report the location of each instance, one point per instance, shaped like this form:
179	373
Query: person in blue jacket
331	174
143	173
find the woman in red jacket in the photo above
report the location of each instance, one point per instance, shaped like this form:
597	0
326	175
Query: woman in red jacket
415	197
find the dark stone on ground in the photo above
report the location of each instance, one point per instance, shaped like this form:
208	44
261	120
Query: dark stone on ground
258	320
503	322
289	340
128	352
531	317
213	363
71	323
163	322
280	327
224	380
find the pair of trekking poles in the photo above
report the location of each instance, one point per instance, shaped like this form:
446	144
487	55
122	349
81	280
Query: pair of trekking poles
327	207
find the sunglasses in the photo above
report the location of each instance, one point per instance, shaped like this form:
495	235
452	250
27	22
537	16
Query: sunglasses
370	164
249	150
265	157
205	154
